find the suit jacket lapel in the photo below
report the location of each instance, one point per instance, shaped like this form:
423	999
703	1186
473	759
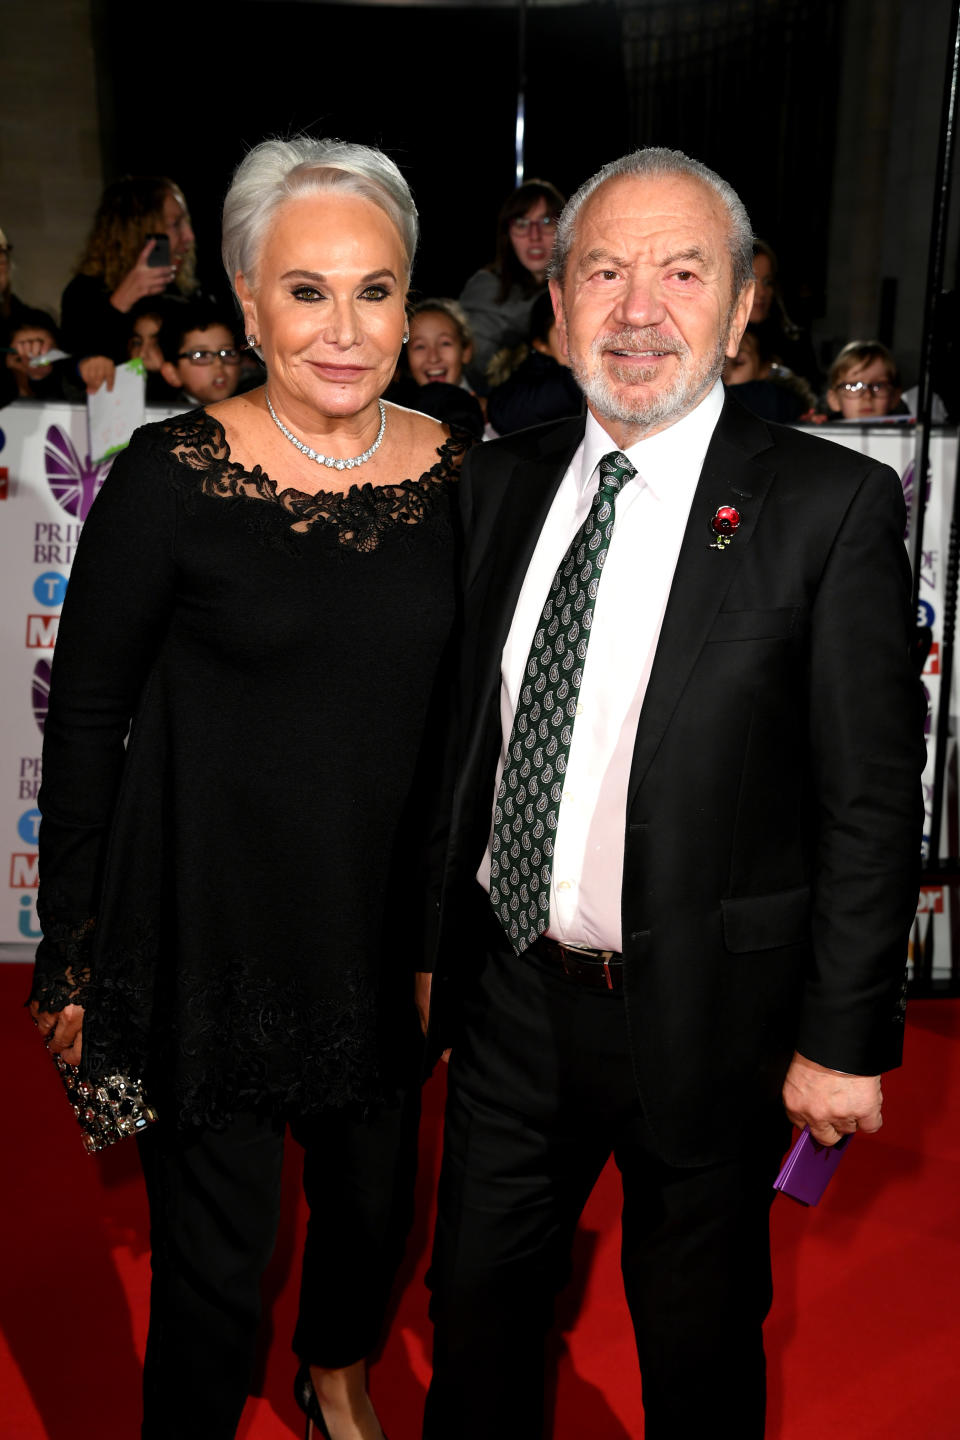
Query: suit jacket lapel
516	529
730	476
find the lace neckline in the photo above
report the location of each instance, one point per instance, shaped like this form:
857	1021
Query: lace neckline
362	514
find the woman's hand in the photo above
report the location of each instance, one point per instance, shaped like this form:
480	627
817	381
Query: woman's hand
421	994
62	1030
95	370
423	982
142	280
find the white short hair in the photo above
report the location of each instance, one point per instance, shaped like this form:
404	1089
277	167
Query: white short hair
656	161
278	170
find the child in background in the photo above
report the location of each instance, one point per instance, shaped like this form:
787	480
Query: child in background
864	383
146	319
440	343
201	358
439	346
33	335
764	386
541	387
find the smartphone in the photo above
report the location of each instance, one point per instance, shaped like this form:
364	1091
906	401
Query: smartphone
160	254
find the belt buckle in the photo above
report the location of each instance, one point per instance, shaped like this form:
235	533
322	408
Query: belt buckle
602	955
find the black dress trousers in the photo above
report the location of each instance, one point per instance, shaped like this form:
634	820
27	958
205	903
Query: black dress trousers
214	1208
541	1092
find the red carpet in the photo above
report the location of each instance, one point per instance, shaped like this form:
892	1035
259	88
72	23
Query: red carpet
862	1343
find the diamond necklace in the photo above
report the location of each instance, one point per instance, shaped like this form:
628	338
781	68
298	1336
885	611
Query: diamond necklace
331	462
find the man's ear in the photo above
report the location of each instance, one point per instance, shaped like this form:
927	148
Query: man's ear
832	402
556	295
248	305
738	321
171	374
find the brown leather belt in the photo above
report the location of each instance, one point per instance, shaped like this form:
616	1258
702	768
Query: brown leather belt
597	969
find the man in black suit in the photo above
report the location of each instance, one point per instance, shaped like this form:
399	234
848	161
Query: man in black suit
684	846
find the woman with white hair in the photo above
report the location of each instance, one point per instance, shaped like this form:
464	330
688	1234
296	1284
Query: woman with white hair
262	594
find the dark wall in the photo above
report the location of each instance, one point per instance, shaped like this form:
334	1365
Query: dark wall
750	87
434	87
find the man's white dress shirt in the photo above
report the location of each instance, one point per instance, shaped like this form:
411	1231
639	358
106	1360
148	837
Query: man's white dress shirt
651	516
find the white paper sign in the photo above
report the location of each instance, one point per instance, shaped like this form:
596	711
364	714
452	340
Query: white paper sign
113	415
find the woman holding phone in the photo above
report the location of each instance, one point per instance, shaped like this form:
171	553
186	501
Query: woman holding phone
141	244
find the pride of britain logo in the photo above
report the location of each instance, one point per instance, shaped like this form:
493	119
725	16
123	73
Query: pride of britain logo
41	692
73	482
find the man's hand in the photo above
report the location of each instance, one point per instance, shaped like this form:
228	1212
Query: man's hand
831	1103
62	1030
423	982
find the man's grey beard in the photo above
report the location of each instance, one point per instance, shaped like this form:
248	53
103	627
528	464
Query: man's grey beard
650	412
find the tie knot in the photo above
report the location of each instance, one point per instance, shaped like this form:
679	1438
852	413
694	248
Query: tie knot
615	471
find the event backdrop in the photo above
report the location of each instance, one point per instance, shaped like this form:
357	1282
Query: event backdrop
47	485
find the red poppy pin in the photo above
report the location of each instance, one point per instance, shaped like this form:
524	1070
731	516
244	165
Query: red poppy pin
724	525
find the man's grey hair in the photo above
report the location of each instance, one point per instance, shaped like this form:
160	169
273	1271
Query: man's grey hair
656	161
279	170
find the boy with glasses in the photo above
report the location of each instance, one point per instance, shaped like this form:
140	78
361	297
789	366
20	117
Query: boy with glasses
864	382
201	356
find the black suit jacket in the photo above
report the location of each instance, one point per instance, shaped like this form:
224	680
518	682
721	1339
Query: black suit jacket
774	815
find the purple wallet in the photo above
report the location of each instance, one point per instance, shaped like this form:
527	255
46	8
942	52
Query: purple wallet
808	1167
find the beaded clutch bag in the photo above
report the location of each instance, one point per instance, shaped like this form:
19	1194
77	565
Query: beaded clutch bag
108	1110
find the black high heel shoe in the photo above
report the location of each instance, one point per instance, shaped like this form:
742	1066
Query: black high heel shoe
306	1398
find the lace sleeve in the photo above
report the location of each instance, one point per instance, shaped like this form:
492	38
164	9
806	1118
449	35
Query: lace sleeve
114	616
62	972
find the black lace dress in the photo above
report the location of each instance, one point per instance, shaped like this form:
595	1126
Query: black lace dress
234	893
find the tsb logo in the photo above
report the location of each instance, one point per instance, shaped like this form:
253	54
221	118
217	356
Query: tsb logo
50	588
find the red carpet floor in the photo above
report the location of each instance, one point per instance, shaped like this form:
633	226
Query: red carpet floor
863	1343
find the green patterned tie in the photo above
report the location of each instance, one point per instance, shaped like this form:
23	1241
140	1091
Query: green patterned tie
528	800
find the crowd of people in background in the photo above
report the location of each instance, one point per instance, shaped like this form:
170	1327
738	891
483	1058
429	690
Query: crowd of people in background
487	361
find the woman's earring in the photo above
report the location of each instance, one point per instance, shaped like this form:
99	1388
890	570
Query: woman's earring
406	336
251	341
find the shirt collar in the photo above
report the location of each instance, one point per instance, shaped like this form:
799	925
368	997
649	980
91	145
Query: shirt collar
668	463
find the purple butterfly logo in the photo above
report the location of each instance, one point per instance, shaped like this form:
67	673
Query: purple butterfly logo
74	484
41	692
906	480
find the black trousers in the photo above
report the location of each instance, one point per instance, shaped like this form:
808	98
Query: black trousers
541	1092
214	1208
